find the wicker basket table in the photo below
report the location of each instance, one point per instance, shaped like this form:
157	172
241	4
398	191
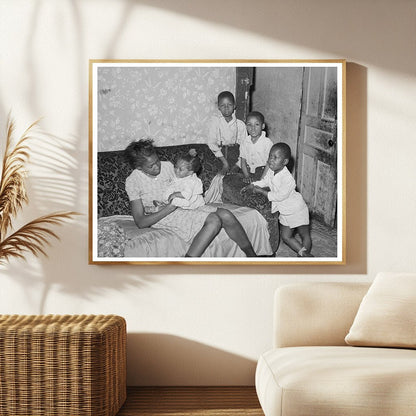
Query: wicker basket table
71	365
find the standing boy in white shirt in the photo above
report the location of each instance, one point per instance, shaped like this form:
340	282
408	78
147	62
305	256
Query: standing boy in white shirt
224	129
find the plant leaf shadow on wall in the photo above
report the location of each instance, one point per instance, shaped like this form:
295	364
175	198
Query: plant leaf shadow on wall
53	185
283	31
309	24
356	205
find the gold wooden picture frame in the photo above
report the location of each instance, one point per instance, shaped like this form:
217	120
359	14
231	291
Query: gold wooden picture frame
221	122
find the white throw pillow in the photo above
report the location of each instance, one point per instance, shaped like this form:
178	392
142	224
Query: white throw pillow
387	314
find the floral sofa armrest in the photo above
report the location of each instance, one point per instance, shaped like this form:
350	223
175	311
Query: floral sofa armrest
232	185
111	238
118	236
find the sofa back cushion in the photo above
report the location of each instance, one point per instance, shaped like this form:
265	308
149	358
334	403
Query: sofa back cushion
387	314
307	314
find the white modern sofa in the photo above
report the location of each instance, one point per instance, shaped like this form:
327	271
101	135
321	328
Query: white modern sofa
311	370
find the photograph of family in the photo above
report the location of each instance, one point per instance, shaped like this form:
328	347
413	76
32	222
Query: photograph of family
216	162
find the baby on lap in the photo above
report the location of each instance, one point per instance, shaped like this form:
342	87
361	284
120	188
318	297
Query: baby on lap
186	191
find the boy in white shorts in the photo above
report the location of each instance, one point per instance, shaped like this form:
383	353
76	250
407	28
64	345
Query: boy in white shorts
293	211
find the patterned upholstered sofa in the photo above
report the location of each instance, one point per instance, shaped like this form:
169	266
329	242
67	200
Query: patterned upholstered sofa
112	200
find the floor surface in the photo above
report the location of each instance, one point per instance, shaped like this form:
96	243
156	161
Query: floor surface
324	242
191	401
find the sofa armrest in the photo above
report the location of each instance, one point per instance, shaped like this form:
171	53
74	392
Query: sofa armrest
308	314
111	238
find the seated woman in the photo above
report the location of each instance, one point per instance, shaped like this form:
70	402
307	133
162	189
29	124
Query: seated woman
148	182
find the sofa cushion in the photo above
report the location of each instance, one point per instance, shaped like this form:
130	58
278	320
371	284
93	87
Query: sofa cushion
304	381
232	185
120	237
234	182
313	314
113	169
387	314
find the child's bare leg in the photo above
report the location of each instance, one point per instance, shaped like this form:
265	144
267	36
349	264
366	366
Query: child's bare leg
235	231
208	232
288	236
305	235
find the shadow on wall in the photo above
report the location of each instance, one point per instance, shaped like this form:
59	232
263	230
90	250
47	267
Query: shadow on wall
52	188
356	195
363	38
80	81
356	168
161	359
59	188
281	20
81	285
340	19
60	179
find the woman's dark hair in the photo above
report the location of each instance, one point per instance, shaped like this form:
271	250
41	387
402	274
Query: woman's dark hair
137	152
193	159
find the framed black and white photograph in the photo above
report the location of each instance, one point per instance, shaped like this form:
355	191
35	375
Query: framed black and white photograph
217	162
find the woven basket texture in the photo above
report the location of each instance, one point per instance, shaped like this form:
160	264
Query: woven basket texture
54	365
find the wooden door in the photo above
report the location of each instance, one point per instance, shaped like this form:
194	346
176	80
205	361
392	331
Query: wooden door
316	164
244	80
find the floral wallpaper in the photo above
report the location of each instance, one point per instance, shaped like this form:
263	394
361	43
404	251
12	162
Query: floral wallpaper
172	105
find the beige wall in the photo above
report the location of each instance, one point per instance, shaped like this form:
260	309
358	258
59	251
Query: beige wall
204	325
